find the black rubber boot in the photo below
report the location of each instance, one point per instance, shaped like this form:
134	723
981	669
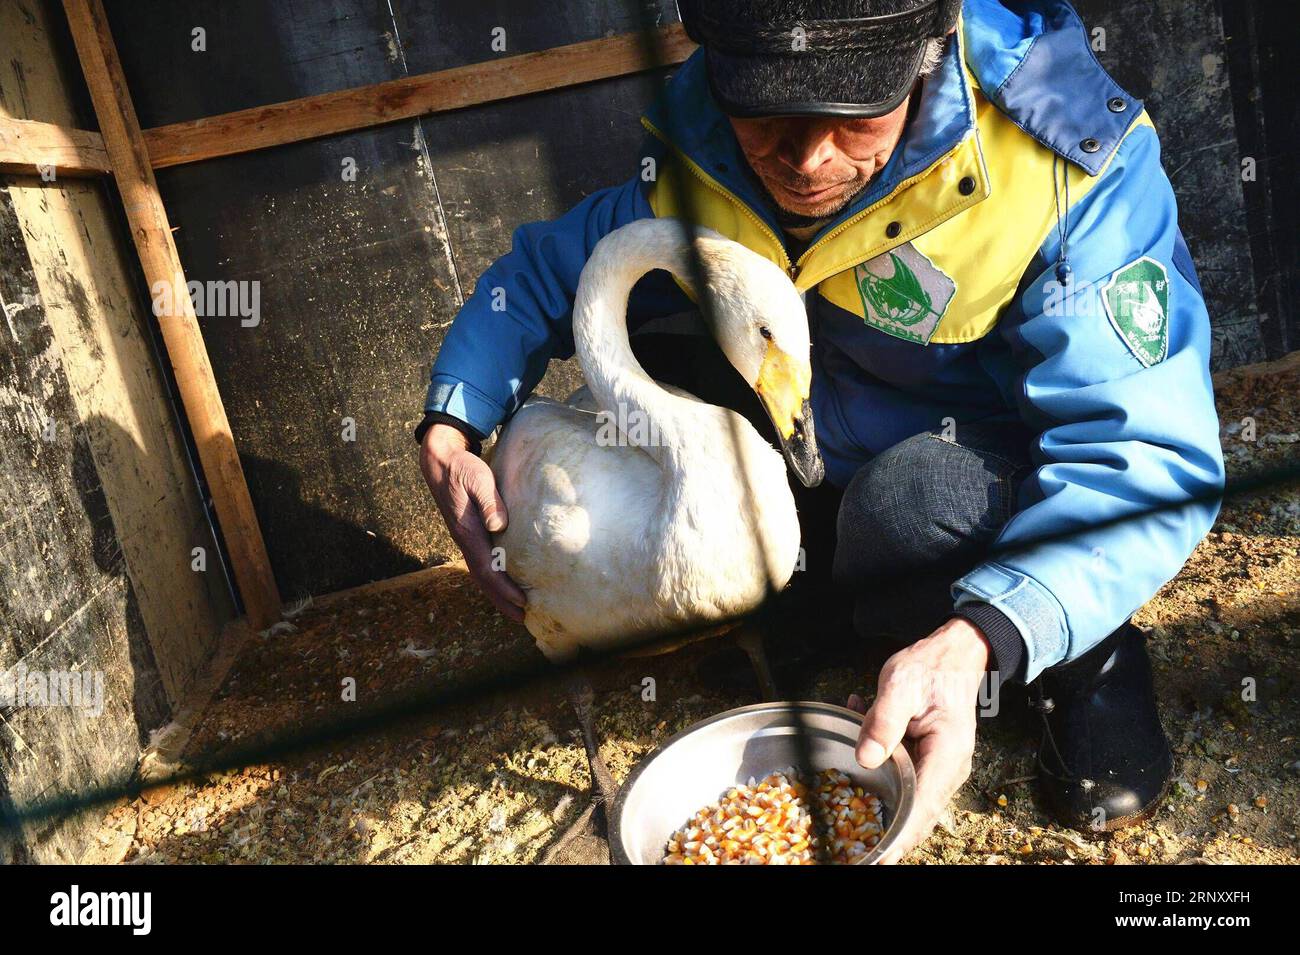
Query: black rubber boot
1104	762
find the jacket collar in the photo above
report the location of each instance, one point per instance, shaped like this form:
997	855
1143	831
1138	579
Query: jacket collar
1035	64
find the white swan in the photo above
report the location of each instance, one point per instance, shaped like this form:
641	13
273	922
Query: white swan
638	508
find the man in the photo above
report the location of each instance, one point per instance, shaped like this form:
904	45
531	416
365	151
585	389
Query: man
1010	347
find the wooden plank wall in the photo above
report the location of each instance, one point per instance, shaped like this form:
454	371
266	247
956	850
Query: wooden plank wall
66	601
99	520
174	306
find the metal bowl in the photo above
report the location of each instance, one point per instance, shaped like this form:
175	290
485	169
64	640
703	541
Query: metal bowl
695	767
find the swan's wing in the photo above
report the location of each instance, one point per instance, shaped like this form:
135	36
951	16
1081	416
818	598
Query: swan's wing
550	456
579	514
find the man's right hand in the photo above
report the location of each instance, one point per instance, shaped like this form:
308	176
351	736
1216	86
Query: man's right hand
466	494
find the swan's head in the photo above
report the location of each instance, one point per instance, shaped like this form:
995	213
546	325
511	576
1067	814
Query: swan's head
762	328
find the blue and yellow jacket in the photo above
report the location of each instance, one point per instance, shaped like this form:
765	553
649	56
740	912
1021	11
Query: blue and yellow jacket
936	298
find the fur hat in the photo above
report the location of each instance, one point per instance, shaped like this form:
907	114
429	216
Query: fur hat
848	58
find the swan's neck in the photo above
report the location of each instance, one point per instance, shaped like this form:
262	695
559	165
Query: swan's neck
664	424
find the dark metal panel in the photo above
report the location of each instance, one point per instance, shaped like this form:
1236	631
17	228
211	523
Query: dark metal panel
506	164
519	161
1260	38
1171	54
354	278
441	34
256	52
501	166
359	280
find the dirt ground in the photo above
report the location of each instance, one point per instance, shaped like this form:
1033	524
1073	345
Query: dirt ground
495	780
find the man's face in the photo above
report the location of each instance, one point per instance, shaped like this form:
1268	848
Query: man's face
813	166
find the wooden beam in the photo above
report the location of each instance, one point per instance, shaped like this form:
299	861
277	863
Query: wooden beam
25	146
346	110
152	234
33	149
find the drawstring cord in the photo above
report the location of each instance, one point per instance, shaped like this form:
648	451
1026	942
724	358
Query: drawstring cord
1063	270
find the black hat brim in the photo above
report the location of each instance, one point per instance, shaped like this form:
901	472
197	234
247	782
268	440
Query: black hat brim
853	84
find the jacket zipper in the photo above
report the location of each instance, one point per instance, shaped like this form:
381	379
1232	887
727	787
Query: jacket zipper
798	266
792	268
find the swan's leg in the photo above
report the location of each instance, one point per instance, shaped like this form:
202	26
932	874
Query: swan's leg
582	696
750	639
594	820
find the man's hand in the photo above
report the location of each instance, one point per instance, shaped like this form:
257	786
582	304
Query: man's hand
927	693
466	494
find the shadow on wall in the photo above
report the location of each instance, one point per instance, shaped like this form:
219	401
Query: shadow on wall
312	549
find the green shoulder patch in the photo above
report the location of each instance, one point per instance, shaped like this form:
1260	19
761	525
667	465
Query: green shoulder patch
1137	304
904	294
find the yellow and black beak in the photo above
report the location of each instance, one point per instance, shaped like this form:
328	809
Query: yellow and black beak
783	386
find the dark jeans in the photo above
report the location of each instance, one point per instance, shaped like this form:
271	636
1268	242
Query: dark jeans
921	514
913	519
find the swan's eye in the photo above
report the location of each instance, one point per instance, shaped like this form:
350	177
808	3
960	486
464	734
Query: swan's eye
765	332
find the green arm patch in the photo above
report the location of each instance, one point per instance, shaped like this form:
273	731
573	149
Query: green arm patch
1137	303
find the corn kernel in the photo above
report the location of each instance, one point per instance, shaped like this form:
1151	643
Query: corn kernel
771	822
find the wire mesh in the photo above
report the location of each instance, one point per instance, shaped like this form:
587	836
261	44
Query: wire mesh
424	703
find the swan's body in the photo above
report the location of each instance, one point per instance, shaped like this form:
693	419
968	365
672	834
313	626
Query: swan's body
636	508
610	544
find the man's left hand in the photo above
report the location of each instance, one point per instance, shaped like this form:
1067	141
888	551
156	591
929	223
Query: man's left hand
927	693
